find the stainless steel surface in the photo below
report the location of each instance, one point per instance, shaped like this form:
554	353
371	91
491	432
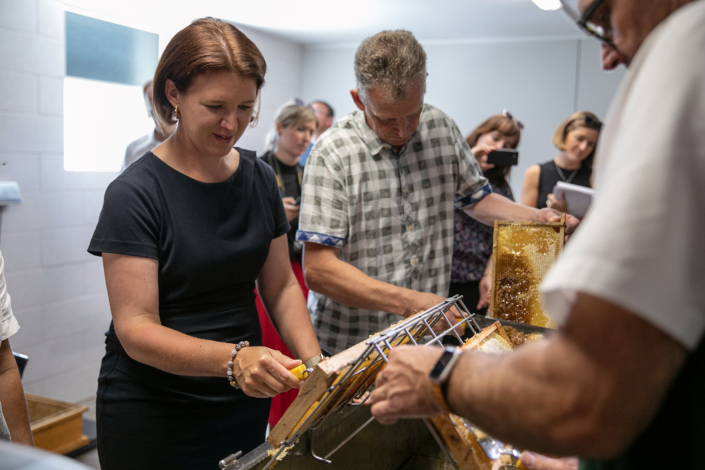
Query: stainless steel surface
353	434
376	447
20	457
494	448
230	459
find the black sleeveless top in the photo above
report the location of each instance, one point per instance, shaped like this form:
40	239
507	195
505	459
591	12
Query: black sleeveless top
549	176
675	437
289	186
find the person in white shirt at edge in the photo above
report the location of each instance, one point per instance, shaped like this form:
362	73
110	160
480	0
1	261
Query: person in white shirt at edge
622	382
325	115
147	142
379	194
14	419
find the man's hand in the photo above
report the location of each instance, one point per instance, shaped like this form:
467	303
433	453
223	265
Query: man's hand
291	209
533	461
552	215
422	301
403	388
558	204
485	289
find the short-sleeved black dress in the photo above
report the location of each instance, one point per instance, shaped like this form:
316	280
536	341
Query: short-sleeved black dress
211	241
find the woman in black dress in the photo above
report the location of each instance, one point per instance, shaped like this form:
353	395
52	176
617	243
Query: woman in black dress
576	138
185	233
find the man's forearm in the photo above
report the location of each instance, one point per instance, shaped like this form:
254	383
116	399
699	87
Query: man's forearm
518	398
581	392
14	406
495	207
349	286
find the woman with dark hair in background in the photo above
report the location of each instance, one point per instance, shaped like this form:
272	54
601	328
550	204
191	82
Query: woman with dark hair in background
295	124
472	246
185	233
576	138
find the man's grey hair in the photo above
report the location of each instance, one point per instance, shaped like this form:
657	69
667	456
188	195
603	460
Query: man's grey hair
391	59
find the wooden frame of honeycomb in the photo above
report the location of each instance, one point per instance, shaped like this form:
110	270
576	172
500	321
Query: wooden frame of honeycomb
522	253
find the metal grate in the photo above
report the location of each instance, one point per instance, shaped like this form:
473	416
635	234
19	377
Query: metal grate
358	376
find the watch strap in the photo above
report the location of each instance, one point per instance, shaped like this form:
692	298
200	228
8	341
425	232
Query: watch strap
440	396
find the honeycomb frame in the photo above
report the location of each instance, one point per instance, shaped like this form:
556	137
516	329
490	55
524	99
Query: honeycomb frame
522	253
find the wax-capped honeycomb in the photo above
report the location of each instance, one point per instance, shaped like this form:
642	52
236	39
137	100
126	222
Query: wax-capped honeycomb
524	255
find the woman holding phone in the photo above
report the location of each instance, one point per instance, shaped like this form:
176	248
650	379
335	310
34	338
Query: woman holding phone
185	234
576	138
472	246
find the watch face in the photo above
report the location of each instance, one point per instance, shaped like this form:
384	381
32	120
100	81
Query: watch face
442	363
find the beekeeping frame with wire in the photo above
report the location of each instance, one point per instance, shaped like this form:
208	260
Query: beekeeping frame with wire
522	254
337	381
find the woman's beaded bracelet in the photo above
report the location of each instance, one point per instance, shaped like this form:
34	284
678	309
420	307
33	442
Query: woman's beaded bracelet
233	353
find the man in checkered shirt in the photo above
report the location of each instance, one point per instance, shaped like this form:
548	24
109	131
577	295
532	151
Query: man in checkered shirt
378	198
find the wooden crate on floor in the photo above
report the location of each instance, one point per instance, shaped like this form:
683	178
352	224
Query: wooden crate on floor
57	426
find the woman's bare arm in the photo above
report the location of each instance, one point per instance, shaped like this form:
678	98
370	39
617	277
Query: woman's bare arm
285	303
14	406
133	291
530	186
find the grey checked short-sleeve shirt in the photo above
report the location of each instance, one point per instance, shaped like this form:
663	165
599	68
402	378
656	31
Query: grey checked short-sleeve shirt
390	214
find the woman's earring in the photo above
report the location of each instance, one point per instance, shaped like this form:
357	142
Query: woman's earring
176	113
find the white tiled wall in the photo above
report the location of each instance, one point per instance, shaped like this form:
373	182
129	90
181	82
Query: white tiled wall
57	288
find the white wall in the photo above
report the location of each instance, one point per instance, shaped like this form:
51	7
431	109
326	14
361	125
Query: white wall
57	289
540	82
282	83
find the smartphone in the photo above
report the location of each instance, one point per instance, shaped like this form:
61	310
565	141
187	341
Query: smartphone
503	157
298	201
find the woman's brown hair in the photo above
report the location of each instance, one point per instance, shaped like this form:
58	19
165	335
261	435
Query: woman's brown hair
206	45
497	176
576	121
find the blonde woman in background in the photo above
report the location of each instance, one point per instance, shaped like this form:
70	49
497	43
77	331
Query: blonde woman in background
576	138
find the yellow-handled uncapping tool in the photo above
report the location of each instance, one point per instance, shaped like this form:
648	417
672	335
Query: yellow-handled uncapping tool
299	372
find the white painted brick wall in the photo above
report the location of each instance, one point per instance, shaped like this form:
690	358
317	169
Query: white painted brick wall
57	288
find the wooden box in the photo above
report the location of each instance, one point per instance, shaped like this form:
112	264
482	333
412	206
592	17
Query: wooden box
57	426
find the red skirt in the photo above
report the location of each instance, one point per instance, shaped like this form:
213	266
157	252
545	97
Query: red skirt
272	340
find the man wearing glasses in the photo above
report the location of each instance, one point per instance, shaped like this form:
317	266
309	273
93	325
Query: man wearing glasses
622	383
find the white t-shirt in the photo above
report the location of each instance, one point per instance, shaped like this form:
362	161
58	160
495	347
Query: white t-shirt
8	323
642	244
8	327
138	148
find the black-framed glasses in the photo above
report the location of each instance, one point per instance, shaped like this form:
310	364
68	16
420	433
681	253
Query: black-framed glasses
509	116
599	28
